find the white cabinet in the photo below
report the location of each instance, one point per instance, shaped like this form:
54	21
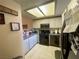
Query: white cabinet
26	46
30	42
34	39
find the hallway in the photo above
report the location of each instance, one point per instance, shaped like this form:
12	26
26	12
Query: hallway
42	52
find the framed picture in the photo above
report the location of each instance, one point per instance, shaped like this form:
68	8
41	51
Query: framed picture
2	19
15	26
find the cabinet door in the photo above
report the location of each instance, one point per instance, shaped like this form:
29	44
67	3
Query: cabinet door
54	40
33	41
26	46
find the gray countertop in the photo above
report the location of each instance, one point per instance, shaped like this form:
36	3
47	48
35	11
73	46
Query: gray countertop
54	34
26	37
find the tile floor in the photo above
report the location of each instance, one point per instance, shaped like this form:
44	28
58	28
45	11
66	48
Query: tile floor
42	52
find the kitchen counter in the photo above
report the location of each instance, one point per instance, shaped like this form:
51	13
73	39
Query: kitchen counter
54	34
29	42
28	36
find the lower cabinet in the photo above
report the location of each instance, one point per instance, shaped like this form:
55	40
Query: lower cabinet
29	43
54	40
26	46
32	41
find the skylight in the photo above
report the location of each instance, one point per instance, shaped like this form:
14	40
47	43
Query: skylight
44	10
48	9
35	12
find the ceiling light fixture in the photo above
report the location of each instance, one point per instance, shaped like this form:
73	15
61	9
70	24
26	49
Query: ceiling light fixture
36	12
48	9
44	10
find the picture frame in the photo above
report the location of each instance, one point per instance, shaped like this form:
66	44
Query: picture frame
2	18
15	26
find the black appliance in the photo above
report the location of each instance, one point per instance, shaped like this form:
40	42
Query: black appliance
44	26
54	40
65	44
44	34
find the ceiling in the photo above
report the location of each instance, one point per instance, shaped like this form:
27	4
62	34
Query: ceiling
29	4
61	5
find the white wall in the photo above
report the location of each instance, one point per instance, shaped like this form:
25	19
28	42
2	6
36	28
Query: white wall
54	22
10	41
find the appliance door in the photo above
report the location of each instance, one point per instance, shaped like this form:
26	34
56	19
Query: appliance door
65	45
44	37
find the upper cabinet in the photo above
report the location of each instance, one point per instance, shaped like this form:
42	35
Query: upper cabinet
71	15
71	12
72	4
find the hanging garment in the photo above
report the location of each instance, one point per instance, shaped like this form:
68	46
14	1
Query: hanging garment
74	39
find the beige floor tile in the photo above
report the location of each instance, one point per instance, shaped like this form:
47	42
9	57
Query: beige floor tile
42	52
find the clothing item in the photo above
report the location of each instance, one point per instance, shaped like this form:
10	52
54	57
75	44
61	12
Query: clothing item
74	39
